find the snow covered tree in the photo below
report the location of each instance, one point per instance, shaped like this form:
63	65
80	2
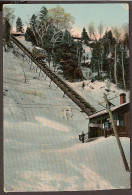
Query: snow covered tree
8	18
19	25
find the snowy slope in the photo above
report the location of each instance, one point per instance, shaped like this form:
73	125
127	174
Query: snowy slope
92	92
41	148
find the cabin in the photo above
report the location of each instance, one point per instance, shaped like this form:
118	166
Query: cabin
100	124
39	53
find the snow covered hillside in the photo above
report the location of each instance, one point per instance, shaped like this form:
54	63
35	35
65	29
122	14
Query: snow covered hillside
41	147
92	92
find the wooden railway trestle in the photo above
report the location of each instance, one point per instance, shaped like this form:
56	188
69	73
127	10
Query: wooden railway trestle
73	95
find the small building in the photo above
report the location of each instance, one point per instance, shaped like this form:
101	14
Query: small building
17	34
100	124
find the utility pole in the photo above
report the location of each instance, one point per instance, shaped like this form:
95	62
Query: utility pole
116	134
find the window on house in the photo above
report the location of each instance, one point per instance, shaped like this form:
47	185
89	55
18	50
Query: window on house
107	125
121	120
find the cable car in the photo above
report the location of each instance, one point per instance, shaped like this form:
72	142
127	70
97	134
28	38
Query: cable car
39	53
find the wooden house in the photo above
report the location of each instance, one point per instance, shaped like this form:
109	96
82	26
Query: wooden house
100	124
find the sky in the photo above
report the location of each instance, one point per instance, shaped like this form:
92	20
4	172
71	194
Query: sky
111	15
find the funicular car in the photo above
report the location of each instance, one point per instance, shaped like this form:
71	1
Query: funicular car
39	53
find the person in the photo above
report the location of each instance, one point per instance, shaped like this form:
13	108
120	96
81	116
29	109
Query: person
92	81
82	136
83	85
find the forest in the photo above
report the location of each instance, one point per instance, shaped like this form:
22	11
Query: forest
51	30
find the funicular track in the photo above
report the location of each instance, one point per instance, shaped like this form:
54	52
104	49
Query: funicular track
73	95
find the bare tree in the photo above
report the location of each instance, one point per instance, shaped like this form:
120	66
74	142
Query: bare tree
91	29
100	29
124	45
39	28
8	18
123	70
117	35
55	38
9	14
61	21
125	29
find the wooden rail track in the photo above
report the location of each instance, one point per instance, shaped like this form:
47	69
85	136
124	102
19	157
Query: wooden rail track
73	95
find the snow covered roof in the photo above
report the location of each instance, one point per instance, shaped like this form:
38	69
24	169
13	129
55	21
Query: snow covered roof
17	33
39	48
106	111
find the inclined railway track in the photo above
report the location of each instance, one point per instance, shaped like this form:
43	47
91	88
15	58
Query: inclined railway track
73	95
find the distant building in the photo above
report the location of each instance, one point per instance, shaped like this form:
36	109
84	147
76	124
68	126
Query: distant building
17	34
100	124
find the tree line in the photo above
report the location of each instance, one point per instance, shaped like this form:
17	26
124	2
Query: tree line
50	30
110	53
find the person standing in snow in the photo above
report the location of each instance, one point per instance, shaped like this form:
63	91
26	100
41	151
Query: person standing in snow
83	85
82	136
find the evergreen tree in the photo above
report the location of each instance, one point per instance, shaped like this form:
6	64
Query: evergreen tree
126	41
43	13
95	60
7	29
66	38
84	36
33	21
29	36
108	42
67	57
47	45
19	25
